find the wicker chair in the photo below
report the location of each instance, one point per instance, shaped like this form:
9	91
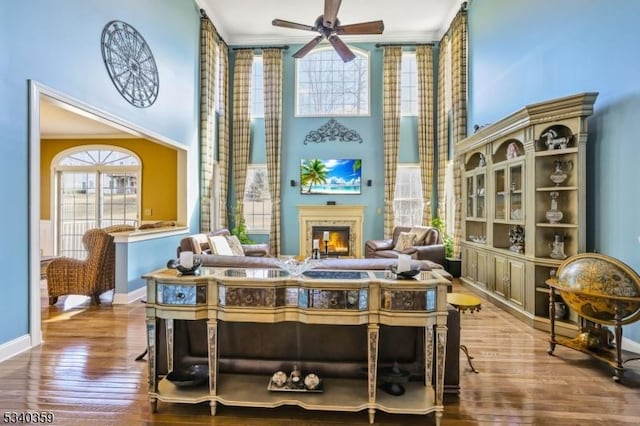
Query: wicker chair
91	276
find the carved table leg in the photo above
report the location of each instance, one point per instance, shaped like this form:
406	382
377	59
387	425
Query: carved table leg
372	352
213	405
469	358
153	404
212	333
438	418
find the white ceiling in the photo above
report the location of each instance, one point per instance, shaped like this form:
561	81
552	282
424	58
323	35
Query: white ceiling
248	22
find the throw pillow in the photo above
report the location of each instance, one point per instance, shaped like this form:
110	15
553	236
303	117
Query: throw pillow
421	232
219	245
405	240
235	244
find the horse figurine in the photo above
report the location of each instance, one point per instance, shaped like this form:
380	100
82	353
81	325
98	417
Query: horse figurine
553	141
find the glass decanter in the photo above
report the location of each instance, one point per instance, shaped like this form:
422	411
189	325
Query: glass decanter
554	215
557	248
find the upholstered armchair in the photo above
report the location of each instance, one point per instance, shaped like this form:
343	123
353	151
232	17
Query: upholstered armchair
91	276
421	242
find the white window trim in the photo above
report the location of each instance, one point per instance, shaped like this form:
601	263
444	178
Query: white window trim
406	166
366	54
402	114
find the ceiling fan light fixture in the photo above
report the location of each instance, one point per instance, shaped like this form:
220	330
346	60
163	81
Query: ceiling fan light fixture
328	25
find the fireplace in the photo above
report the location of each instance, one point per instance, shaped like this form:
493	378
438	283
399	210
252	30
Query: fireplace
338	243
331	218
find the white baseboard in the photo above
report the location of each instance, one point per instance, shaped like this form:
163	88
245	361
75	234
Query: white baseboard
132	296
630	345
14	347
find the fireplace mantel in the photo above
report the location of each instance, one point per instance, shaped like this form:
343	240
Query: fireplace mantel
337	215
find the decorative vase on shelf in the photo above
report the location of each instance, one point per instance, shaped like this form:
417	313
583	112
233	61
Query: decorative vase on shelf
557	248
559	175
554	215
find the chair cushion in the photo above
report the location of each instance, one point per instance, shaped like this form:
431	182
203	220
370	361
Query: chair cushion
236	246
420	232
405	240
219	245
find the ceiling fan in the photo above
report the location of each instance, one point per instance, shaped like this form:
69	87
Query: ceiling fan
328	25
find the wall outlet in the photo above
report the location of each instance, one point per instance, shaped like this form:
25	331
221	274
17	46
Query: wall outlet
147	212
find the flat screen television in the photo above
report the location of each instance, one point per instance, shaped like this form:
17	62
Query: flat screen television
332	176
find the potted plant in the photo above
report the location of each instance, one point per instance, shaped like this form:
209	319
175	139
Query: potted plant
240	228
452	264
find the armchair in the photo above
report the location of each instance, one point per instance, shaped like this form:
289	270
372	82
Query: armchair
428	245
91	276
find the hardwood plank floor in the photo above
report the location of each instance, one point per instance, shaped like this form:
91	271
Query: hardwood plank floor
85	373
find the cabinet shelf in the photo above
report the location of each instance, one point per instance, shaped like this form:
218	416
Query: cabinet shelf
556	225
546	153
556	188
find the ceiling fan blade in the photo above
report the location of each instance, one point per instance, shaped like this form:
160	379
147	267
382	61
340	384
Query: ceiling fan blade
345	53
289	24
373	27
330	12
307	47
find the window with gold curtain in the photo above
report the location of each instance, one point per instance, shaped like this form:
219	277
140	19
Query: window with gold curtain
272	74
241	123
392	60
424	62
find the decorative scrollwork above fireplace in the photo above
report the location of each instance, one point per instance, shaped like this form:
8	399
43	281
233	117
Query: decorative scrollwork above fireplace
331	131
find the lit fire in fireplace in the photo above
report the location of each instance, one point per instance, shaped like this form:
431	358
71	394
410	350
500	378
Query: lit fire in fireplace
338	239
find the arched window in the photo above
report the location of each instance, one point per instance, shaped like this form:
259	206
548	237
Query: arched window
94	187
325	85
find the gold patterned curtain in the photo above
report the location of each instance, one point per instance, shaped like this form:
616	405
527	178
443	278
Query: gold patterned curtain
241	123
223	134
459	104
392	60
208	87
443	124
272	74
424	61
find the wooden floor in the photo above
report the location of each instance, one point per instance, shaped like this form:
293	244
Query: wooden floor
85	373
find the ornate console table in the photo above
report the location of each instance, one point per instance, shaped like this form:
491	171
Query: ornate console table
337	298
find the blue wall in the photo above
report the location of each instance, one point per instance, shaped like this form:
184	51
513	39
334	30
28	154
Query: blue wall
294	130
524	52
57	43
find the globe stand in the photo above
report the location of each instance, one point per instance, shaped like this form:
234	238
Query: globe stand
612	308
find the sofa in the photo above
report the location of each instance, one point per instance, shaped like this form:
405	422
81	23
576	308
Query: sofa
428	246
329	350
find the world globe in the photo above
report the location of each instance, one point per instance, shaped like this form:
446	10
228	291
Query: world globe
593	284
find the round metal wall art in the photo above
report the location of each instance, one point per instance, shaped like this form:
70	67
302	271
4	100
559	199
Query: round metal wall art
130	64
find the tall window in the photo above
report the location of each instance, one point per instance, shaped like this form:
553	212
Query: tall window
257	92
257	200
408	201
409	84
325	85
96	187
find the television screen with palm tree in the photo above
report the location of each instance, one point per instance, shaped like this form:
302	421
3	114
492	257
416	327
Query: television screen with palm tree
341	176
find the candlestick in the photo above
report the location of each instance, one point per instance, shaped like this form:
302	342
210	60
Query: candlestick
325	235
186	259
316	244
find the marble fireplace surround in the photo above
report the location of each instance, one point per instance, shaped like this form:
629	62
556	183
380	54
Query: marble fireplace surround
351	216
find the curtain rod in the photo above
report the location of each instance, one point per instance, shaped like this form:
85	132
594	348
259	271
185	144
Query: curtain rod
378	45
285	47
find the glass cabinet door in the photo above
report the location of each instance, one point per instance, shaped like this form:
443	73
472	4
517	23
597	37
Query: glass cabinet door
470	196
480	196
500	201
515	193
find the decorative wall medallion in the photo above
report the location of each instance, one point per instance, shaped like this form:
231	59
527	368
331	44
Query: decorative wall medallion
130	64
332	131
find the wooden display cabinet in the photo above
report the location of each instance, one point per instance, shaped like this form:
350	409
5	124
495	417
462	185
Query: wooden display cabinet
532	156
